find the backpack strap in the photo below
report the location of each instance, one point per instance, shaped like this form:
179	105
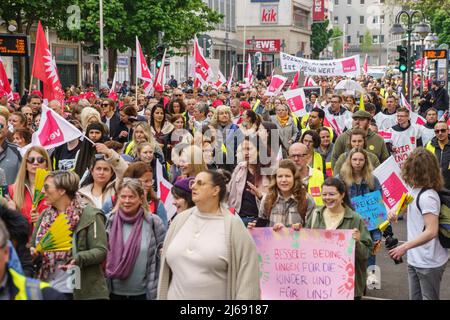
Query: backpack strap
418	197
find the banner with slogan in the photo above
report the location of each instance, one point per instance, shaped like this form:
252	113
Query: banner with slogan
392	185
349	66
371	208
310	264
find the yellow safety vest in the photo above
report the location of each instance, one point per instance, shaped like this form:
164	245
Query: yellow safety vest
317	161
315	183
27	287
256	105
430	148
130	146
304	122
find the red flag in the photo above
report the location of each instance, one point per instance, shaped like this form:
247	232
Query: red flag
163	191
4	83
44	68
294	83
142	70
366	65
330	121
159	79
203	71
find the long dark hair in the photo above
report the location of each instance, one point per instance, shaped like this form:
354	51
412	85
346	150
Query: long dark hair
90	179
152	118
341	187
87	152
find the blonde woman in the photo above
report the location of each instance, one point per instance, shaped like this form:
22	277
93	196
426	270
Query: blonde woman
22	191
89	115
142	133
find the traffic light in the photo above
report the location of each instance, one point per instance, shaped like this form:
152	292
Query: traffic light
402	58
159	55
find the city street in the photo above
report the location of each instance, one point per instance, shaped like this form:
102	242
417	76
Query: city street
394	278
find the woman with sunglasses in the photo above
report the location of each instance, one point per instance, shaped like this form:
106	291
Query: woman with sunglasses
100	184
22	191
89	246
135	240
208	253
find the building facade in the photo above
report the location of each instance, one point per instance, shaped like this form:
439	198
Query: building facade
364	20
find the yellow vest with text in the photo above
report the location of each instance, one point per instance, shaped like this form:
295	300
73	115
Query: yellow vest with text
27	288
315	183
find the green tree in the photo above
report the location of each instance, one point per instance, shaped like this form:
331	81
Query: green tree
25	13
366	45
320	37
180	20
337	42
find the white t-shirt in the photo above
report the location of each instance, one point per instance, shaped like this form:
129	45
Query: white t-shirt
427	135
385	121
404	142
430	254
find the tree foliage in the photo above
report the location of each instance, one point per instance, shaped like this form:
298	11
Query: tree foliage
337	42
367	43
320	37
180	20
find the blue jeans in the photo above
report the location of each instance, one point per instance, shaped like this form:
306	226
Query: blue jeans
375	235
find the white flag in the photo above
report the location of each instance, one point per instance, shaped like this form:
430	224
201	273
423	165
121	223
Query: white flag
164	191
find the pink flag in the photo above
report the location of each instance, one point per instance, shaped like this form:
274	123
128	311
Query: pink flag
276	85
203	71
4	83
164	191
54	130
294	83
142	70
296	101
366	65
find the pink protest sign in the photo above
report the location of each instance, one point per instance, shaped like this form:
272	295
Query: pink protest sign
309	264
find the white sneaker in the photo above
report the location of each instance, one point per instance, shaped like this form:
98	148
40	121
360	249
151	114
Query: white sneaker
372	281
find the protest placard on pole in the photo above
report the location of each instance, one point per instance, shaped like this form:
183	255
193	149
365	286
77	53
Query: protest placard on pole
371	208
296	101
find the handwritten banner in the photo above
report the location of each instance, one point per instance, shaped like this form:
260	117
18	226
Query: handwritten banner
371	208
309	264
349	66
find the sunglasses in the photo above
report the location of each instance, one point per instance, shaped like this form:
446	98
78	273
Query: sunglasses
39	160
440	130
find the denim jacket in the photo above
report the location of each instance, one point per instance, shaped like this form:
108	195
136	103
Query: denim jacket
363	188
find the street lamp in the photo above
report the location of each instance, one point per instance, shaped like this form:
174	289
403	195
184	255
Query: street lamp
421	28
226	41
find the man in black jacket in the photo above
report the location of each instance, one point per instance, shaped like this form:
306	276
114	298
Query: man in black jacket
440	147
439	98
111	118
18	228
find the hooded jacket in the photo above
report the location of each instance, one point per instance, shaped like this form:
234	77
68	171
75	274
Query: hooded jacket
443	157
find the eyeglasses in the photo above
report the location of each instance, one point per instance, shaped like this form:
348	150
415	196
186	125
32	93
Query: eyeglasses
39	160
200	183
177	95
440	130
105	104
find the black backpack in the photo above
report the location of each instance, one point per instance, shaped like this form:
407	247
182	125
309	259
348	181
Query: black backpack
444	216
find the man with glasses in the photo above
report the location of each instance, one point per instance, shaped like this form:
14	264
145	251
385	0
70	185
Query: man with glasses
440	147
405	137
342	115
10	157
312	178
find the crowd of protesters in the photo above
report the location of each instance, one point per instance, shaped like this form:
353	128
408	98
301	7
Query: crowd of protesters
237	159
